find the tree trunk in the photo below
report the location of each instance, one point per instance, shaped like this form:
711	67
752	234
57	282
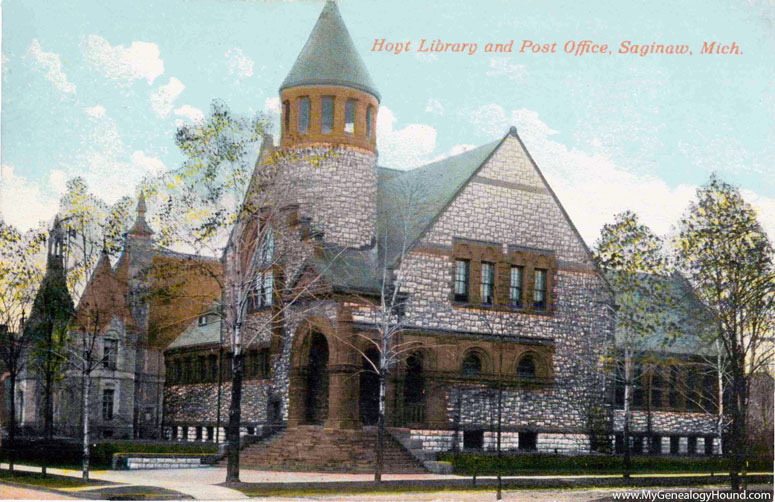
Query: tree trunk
235	417
85	416
627	412
381	427
720	421
737	433
12	424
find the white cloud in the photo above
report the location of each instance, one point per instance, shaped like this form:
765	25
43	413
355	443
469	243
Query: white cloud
272	105
57	181
434	106
95	111
22	203
147	164
191	113
502	67
124	64
592	187
404	148
163	99
239	64
52	64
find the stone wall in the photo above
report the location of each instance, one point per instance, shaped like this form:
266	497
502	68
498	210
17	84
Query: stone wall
668	422
337	188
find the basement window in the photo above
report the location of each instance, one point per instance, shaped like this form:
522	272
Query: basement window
473	440
528	441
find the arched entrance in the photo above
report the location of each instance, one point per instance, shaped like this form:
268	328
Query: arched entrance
316	395
414	390
369	388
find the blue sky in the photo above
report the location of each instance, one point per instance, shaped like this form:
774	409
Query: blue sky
96	88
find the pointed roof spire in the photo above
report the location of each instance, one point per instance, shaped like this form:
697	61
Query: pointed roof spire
140	227
329	57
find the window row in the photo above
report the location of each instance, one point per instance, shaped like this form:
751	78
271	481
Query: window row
643	444
204	369
673	388
327	113
487	285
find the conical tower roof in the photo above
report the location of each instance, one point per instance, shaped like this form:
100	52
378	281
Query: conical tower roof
329	57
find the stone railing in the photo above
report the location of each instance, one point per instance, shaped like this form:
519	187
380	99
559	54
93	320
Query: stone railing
134	461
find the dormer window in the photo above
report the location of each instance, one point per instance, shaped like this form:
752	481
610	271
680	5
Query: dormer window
304	115
327	114
349	116
203	320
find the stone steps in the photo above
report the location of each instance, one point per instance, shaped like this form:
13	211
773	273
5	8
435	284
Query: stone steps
314	448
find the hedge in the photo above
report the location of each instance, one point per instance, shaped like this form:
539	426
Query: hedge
68	453
484	464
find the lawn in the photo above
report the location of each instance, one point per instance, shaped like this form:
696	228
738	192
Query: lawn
50	481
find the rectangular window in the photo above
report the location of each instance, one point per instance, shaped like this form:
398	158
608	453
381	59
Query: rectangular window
202	363
210	433
369	120
203	320
488	283
515	289
349	116
637	387
178	371
261	364
674	445
107	404
174	432
304	115
672	395
213	366
286	115
528	441
691	390
109	354
619	384
262	295
327	114
473	440
539	291
199	433
461	280
692	445
656	390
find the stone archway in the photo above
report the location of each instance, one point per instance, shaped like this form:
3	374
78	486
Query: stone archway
316	388
323	377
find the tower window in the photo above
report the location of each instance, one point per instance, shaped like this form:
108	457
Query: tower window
327	114
109	354
286	115
369	120
539	292
349	116
461	280
488	283
304	115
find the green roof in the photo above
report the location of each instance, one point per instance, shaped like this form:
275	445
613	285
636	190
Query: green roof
329	57
195	334
689	315
408	203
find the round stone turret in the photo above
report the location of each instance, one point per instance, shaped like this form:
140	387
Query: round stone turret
328	97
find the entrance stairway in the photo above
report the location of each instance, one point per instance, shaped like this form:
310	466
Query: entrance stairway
314	448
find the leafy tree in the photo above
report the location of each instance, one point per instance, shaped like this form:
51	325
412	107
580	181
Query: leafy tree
728	259
635	265
20	273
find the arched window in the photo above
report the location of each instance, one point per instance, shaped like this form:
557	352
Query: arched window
526	367
472	364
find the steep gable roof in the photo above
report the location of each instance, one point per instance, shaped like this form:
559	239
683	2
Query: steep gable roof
104	298
408	203
329	57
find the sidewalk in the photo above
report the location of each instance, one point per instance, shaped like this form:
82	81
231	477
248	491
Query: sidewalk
206	482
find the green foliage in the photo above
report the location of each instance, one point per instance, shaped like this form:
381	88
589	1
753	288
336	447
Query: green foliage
62	453
483	464
634	263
